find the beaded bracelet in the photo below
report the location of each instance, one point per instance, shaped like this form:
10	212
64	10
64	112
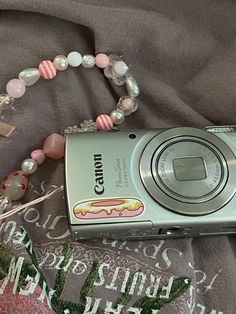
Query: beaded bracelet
14	186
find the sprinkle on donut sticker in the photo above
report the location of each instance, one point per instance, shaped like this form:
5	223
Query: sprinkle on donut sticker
109	208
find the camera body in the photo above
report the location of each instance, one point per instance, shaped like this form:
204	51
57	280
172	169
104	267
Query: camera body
160	183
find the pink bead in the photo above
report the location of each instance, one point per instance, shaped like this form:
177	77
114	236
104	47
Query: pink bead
38	155
102	60
53	146
15	88
104	122
47	69
14	186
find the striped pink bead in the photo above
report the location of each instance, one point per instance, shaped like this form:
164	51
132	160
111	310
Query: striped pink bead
47	69
104	122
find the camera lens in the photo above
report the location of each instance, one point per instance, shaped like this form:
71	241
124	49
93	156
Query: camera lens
188	171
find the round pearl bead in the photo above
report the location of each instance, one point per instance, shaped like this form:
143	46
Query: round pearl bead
102	60
61	62
104	122
120	68
15	88
117	116
29	165
88	61
74	58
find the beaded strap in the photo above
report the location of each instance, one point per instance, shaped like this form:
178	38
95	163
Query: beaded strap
13	187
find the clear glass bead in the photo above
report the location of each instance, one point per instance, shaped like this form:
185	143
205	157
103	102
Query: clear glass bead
114	58
119	80
88	61
127	104
108	72
6	101
119	68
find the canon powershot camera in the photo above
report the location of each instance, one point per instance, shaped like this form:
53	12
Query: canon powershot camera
157	183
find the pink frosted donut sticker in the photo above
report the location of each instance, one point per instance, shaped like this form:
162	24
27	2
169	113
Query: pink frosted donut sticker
109	208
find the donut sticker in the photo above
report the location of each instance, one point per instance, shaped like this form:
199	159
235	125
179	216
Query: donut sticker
109	208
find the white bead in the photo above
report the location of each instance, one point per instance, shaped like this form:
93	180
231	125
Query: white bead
132	86
119	68
29	76
61	62
117	116
74	58
29	165
88	61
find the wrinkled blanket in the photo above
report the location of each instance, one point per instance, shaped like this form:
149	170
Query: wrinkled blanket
183	55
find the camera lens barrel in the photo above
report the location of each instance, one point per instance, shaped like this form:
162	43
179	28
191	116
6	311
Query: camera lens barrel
188	170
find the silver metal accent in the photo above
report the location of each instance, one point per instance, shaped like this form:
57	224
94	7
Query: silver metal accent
221	128
85	126
88	126
118	230
72	129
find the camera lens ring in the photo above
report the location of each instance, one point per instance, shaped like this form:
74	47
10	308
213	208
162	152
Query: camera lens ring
209	187
160	195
